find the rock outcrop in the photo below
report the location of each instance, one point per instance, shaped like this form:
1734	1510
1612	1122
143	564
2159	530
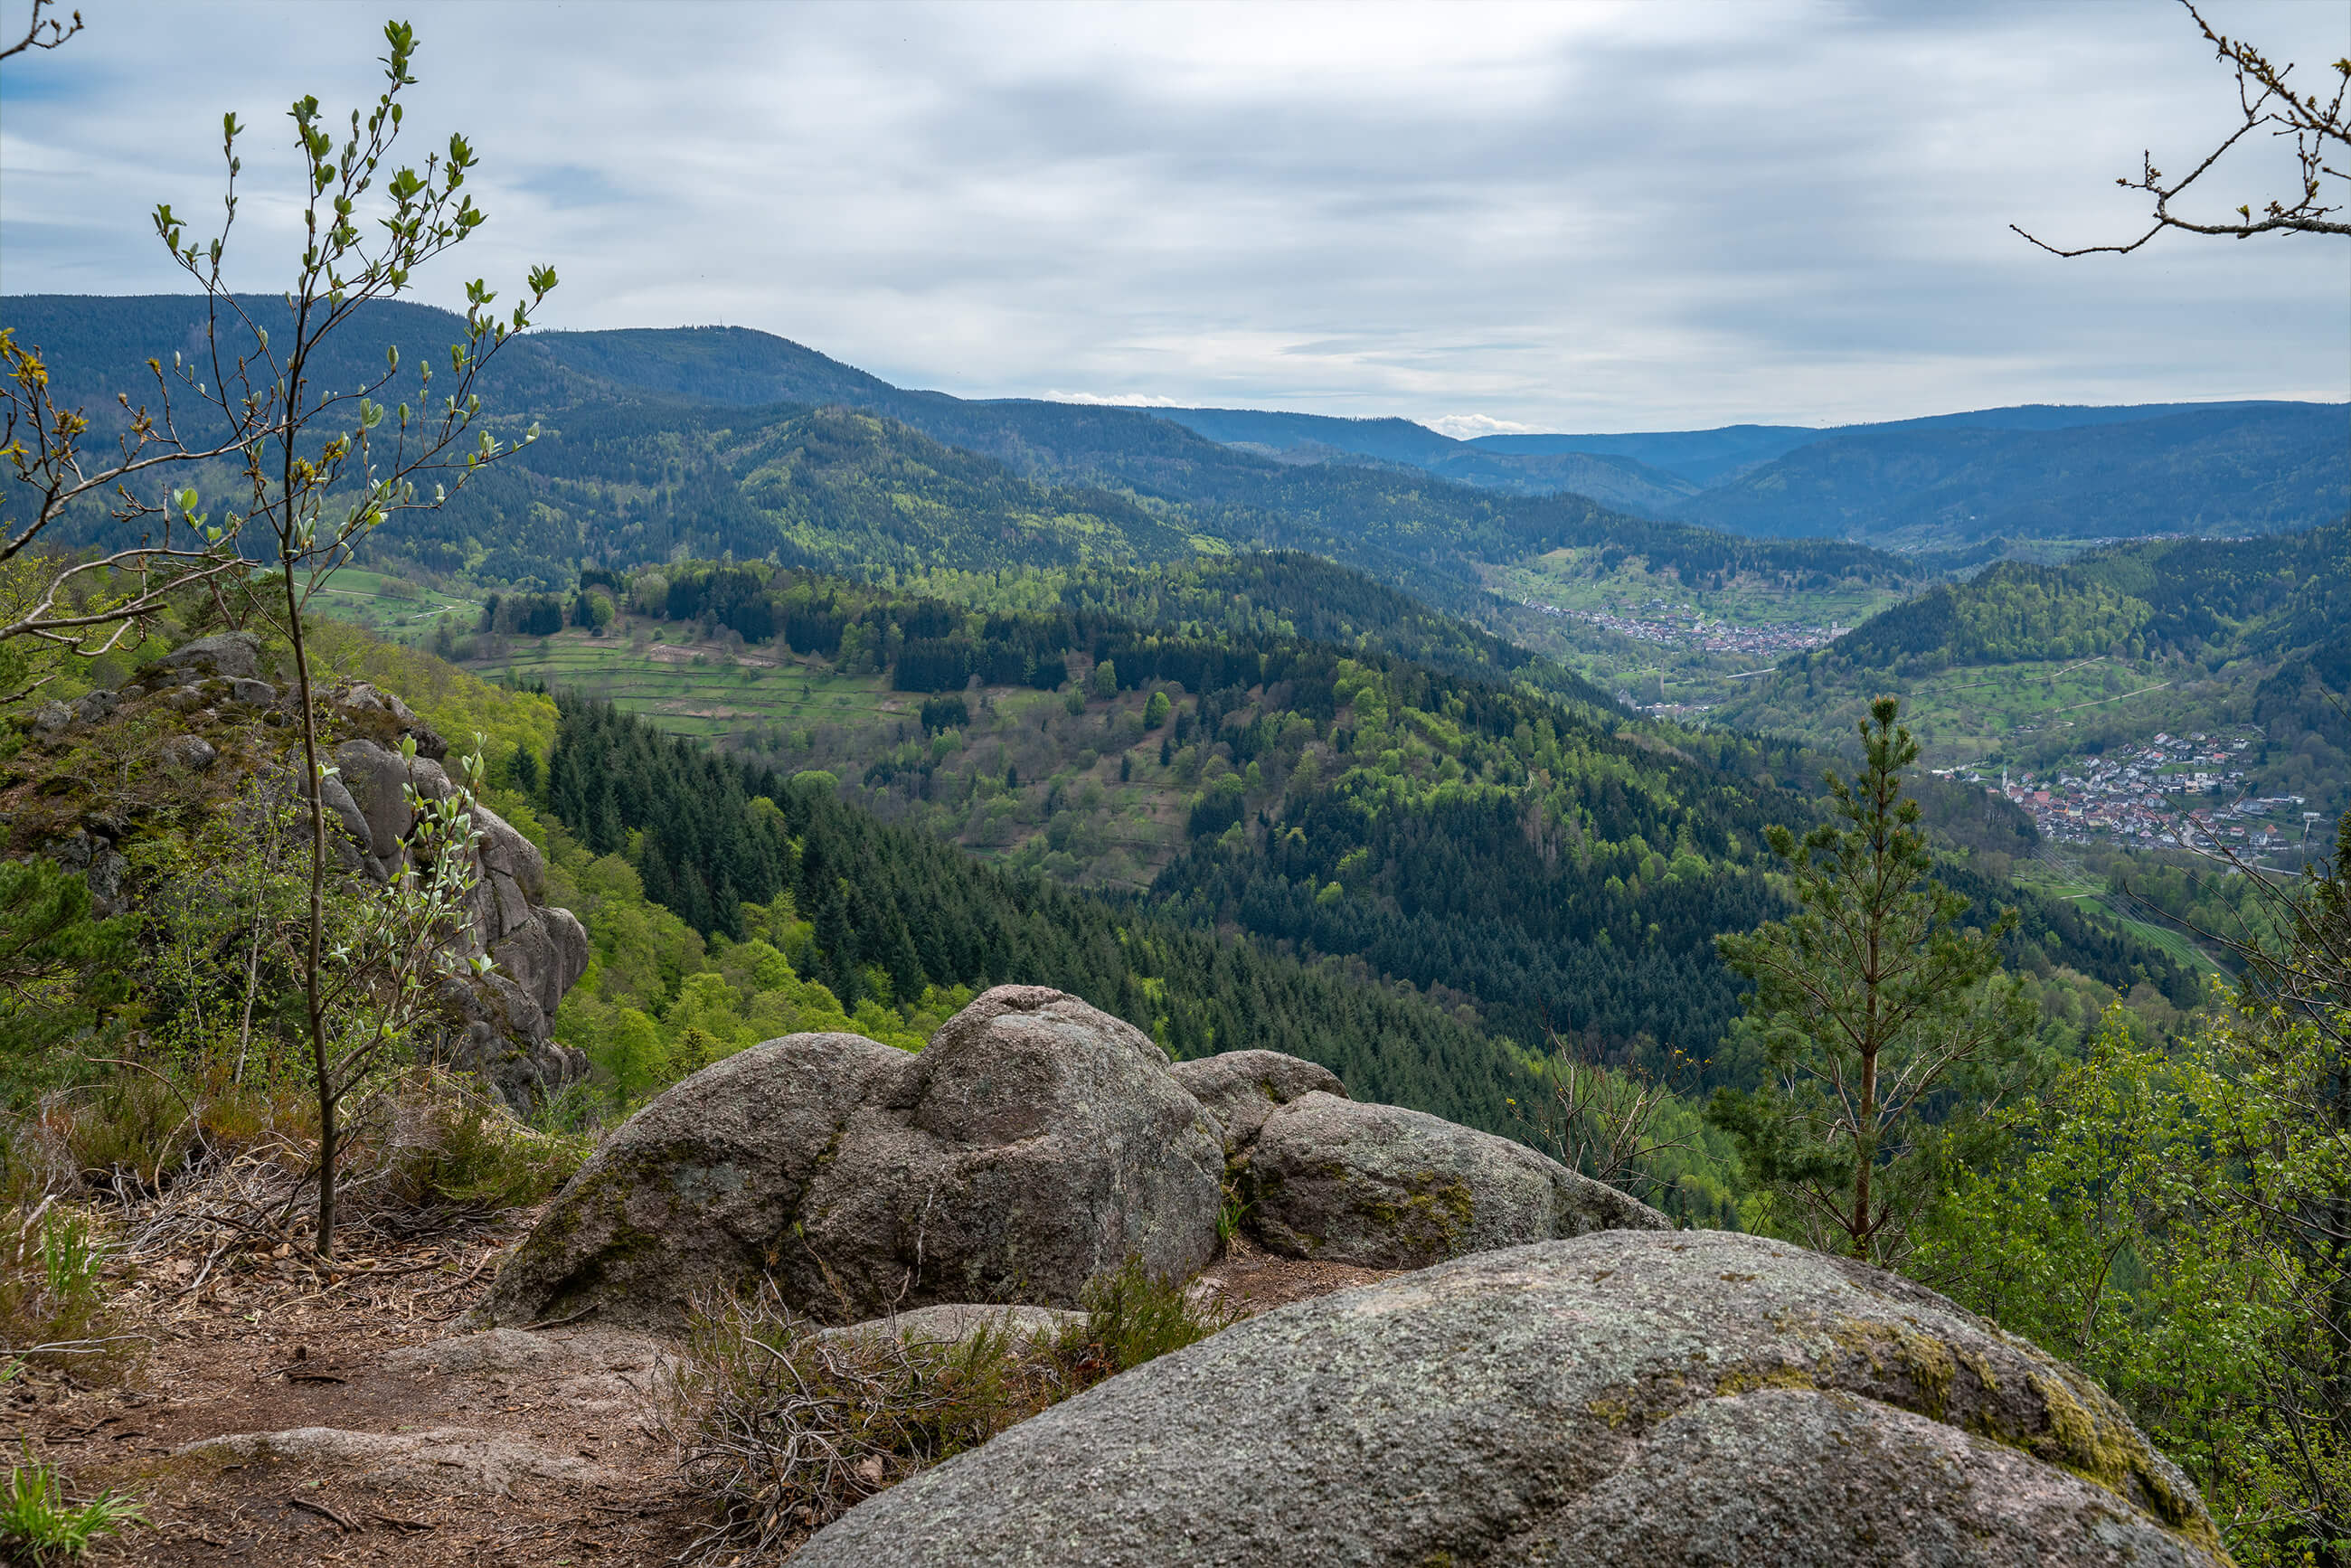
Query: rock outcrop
1241	1088
955	1321
1624	1397
1036	1144
1385	1187
499	1025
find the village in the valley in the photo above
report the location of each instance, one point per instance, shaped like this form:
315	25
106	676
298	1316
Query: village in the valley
2185	791
1669	625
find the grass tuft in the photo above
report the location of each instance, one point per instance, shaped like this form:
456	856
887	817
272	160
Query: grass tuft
51	1299
39	1522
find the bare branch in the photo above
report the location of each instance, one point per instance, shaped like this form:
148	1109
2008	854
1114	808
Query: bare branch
2267	102
43	34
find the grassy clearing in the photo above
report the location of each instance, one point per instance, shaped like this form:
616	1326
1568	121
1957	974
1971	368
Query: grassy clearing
702	689
782	1428
390	605
2061	878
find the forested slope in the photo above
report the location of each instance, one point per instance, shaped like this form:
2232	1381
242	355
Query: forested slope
896	909
1541	863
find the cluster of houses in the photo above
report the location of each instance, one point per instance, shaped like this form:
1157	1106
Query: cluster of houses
2179	790
1669	625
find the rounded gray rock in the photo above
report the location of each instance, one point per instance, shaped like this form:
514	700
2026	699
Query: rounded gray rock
229	655
1630	1397
1242	1088
1033	1146
952	1322
1383	1187
192	752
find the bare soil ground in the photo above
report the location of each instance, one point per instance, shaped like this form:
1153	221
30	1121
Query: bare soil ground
285	1416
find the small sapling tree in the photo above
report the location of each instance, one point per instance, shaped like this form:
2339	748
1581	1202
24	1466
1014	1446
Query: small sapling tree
320	467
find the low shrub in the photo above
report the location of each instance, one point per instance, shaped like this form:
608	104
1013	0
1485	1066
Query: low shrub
456	1153
781	1426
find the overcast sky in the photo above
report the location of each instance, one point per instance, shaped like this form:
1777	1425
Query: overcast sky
1563	217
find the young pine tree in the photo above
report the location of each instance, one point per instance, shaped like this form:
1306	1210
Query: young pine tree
1871	1004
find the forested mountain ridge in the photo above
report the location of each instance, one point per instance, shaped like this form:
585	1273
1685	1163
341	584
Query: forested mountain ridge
2192	598
2237	469
1400	501
676	436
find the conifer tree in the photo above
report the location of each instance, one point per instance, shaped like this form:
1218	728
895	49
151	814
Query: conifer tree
1870	1001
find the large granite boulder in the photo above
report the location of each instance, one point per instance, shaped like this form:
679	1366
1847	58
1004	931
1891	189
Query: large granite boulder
224	657
1033	1146
1242	1088
1623	1397
1385	1187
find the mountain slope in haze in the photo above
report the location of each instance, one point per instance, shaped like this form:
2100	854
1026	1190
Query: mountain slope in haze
1709	457
1318	438
2241	469
1699	457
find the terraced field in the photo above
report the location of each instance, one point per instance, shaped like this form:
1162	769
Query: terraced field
705	690
1080	795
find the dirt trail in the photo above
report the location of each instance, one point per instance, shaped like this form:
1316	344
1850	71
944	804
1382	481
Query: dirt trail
397	1437
284	1417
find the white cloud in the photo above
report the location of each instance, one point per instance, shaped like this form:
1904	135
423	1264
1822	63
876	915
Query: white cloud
1111	399
1581	217
1469	426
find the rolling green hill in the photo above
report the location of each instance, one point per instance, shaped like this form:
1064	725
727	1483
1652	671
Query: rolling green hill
1538	863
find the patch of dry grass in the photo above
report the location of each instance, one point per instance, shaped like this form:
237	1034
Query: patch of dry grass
781	1426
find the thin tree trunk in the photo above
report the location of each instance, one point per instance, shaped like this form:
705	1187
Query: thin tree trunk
1864	1154
251	985
313	958
313	962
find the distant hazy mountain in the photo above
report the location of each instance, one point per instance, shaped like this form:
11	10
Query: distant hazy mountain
1390	495
718	439
1700	458
2227	468
2034	471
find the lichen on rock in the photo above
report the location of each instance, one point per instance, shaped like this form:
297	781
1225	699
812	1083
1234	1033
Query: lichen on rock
1626	1396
